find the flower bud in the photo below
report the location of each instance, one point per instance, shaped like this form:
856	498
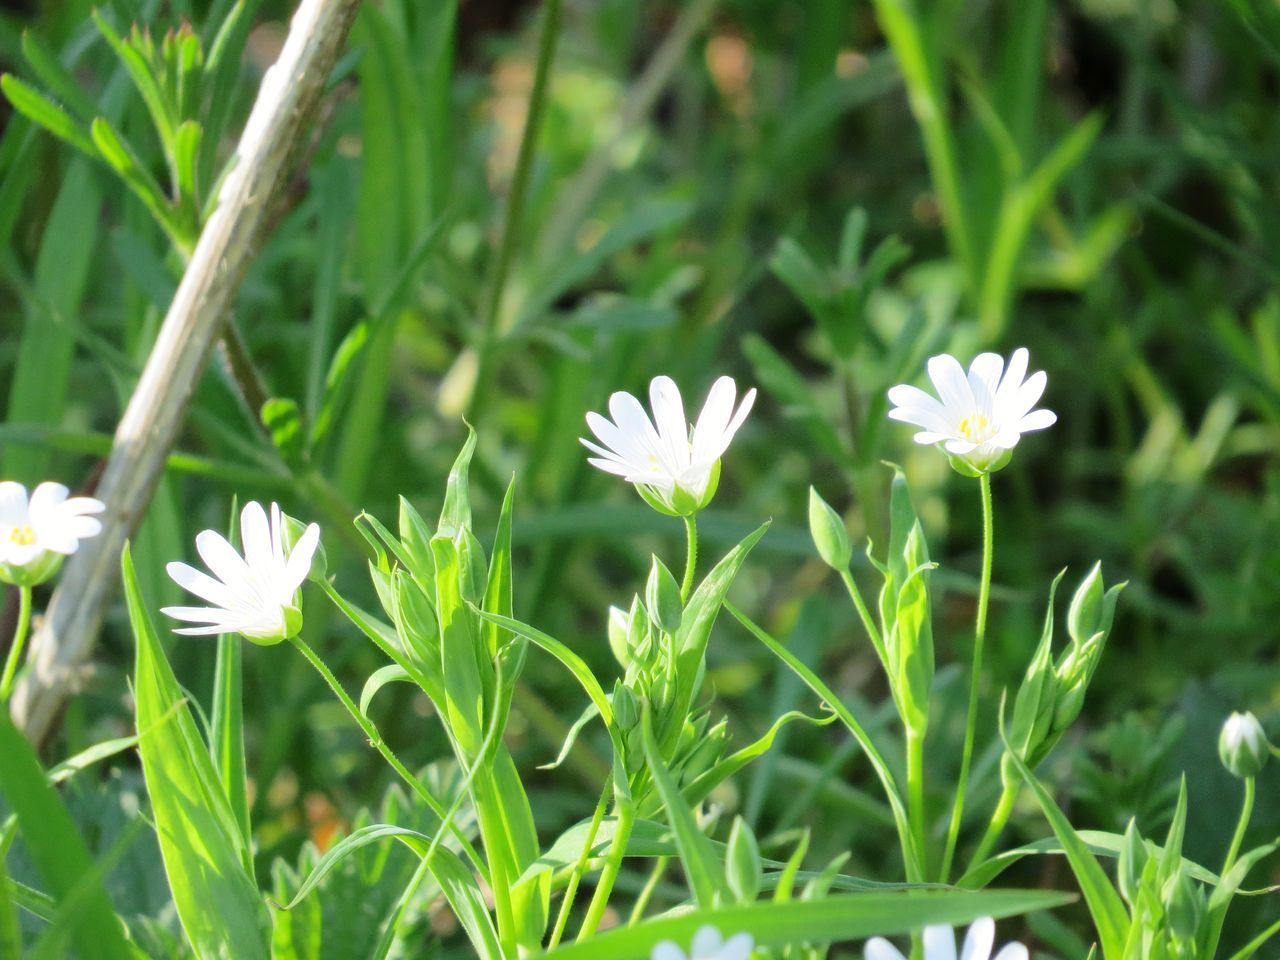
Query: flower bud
618	627
1133	859
662	598
1242	746
626	711
1084	618
742	867
1184	907
829	533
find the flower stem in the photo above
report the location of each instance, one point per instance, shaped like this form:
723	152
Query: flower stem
626	814
691	559
375	739
999	819
19	642
915	794
646	894
975	677
864	614
571	890
1246	813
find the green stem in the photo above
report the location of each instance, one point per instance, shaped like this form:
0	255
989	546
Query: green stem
646	894
571	890
494	835
864	614
691	559
626	814
999	819
19	642
915	795
375	740
1246	812
975	677
513	217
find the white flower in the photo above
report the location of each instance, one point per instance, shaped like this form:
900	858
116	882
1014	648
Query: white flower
36	534
254	595
940	944
675	469
707	945
980	417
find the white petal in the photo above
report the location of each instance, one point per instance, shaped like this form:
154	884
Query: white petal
255	537
878	948
22	554
622	446
46	499
739	418
951	383
201	584
1026	395
713	421
937	421
210	615
669	418
960	447
632	421
738	947
209	631
13	504
83	528
611	466
979	940
1006	439
78	506
666	950
706	943
277	537
1037	420
939	943
299	564
1014	374
1013	951
58	538
985	370
222	560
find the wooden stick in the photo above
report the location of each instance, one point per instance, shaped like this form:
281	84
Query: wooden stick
290	91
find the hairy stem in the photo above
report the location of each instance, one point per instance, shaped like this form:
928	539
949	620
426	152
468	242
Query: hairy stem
999	819
975	678
691	559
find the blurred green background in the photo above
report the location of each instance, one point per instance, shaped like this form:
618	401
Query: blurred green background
810	195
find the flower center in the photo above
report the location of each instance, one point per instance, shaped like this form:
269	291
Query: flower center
975	428
22	536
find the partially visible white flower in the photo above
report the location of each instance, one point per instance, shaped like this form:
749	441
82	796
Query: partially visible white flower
981	416
255	595
36	533
674	468
708	944
940	944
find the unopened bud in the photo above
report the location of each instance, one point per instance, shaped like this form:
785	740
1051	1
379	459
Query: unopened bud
619	625
1242	746
662	598
829	533
742	867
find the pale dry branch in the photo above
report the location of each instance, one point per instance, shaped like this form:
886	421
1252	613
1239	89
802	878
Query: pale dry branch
286	99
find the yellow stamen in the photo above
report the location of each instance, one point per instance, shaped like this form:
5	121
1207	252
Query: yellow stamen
973	428
22	536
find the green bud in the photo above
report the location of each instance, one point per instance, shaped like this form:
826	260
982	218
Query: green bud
1133	858
829	533
416	621
662	597
626	711
471	564
1084	618
742	866
618	627
1184	907
639	630
1242	746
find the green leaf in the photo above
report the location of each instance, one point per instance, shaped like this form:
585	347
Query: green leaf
56	848
49	69
10	933
820	920
467	673
391	673
36	107
703	870
122	158
140	72
186	162
205	853
1105	905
